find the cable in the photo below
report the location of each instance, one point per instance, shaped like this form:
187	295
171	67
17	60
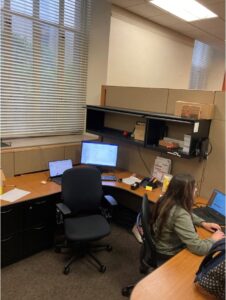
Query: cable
144	163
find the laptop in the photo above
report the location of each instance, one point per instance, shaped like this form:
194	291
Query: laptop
214	212
57	168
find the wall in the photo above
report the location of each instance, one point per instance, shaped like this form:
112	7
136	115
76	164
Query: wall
142	53
98	50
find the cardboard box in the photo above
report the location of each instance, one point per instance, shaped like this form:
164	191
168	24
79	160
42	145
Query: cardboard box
194	110
139	131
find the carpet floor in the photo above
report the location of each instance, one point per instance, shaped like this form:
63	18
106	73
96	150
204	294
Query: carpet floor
40	276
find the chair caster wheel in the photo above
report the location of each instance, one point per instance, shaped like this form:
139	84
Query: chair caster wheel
66	270
109	248
126	291
102	269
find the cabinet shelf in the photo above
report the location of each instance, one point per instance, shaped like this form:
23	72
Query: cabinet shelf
111	122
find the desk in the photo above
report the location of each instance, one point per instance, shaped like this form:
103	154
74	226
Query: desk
32	183
29	224
34	233
174	279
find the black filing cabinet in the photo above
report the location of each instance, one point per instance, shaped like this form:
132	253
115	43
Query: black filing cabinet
27	227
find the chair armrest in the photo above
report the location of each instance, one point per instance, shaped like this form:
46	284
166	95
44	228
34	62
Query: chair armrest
111	200
64	209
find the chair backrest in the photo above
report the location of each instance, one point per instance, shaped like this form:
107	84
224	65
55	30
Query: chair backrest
82	189
150	253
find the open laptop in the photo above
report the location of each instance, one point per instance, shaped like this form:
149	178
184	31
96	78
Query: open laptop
214	212
57	168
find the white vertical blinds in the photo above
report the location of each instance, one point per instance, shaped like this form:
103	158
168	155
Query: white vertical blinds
201	60
44	53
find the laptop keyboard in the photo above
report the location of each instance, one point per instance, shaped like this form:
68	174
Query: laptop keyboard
57	180
208	215
108	178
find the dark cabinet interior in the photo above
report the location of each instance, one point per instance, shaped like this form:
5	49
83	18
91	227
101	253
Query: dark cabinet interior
27	227
119	124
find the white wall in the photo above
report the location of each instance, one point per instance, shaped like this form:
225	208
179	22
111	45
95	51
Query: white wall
98	50
216	71
144	54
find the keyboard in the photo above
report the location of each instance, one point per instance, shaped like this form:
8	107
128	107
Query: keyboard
57	180
208	215
108	178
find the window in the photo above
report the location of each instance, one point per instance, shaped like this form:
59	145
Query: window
44	54
201	60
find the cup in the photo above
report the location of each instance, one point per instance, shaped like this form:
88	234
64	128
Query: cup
166	181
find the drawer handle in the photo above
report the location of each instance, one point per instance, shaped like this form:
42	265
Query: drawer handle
7	239
39	228
6	211
40	202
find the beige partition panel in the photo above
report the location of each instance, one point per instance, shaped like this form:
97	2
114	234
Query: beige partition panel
7	163
188	96
51	153
73	152
28	160
147	99
214	175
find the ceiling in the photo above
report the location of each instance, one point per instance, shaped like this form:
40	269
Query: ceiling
209	31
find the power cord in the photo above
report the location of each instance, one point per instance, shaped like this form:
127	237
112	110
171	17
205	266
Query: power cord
142	159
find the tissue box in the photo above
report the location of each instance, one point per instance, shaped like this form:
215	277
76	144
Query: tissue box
194	110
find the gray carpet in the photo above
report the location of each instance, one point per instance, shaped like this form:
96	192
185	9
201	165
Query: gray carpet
40	276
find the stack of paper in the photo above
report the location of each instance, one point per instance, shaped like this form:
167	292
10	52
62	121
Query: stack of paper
13	195
131	180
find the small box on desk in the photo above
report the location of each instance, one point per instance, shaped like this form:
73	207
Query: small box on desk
139	131
194	110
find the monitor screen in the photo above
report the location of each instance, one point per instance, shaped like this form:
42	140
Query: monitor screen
218	203
57	168
99	154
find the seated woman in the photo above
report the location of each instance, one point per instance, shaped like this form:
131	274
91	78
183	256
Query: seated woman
172	221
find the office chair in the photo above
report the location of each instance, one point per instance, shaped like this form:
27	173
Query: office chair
83	223
149	259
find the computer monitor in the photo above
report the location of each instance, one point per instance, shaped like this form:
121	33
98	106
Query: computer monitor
99	154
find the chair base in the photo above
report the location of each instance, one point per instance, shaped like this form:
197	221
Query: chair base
82	251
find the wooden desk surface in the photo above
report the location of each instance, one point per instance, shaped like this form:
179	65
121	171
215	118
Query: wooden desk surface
32	183
174	279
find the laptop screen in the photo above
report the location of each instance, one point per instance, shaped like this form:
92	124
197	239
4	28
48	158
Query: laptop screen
218	202
57	168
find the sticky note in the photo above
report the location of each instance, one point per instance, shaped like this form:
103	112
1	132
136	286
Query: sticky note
148	188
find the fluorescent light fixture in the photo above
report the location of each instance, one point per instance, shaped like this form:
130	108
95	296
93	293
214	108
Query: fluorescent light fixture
188	10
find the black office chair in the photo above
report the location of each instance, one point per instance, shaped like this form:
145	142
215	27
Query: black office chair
149	258
83	223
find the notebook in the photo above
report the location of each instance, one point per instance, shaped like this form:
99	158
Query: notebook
57	168
215	210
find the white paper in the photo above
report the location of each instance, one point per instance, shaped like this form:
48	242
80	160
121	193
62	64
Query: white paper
13	195
131	180
196	127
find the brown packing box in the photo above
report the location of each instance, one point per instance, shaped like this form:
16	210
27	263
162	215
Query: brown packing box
139	131
194	110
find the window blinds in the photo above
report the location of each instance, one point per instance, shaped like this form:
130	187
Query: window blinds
201	60
44	53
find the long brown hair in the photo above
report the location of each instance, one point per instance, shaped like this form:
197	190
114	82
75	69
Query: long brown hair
179	192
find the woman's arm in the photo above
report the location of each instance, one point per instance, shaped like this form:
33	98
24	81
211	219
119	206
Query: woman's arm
185	230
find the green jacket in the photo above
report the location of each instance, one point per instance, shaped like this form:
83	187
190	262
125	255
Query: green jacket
179	232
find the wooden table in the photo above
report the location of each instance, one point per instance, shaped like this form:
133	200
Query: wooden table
33	184
174	280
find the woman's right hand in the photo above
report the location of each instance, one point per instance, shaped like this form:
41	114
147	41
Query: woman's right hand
217	235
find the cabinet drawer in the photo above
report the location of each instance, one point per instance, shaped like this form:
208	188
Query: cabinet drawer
11	249
37	239
40	212
11	220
